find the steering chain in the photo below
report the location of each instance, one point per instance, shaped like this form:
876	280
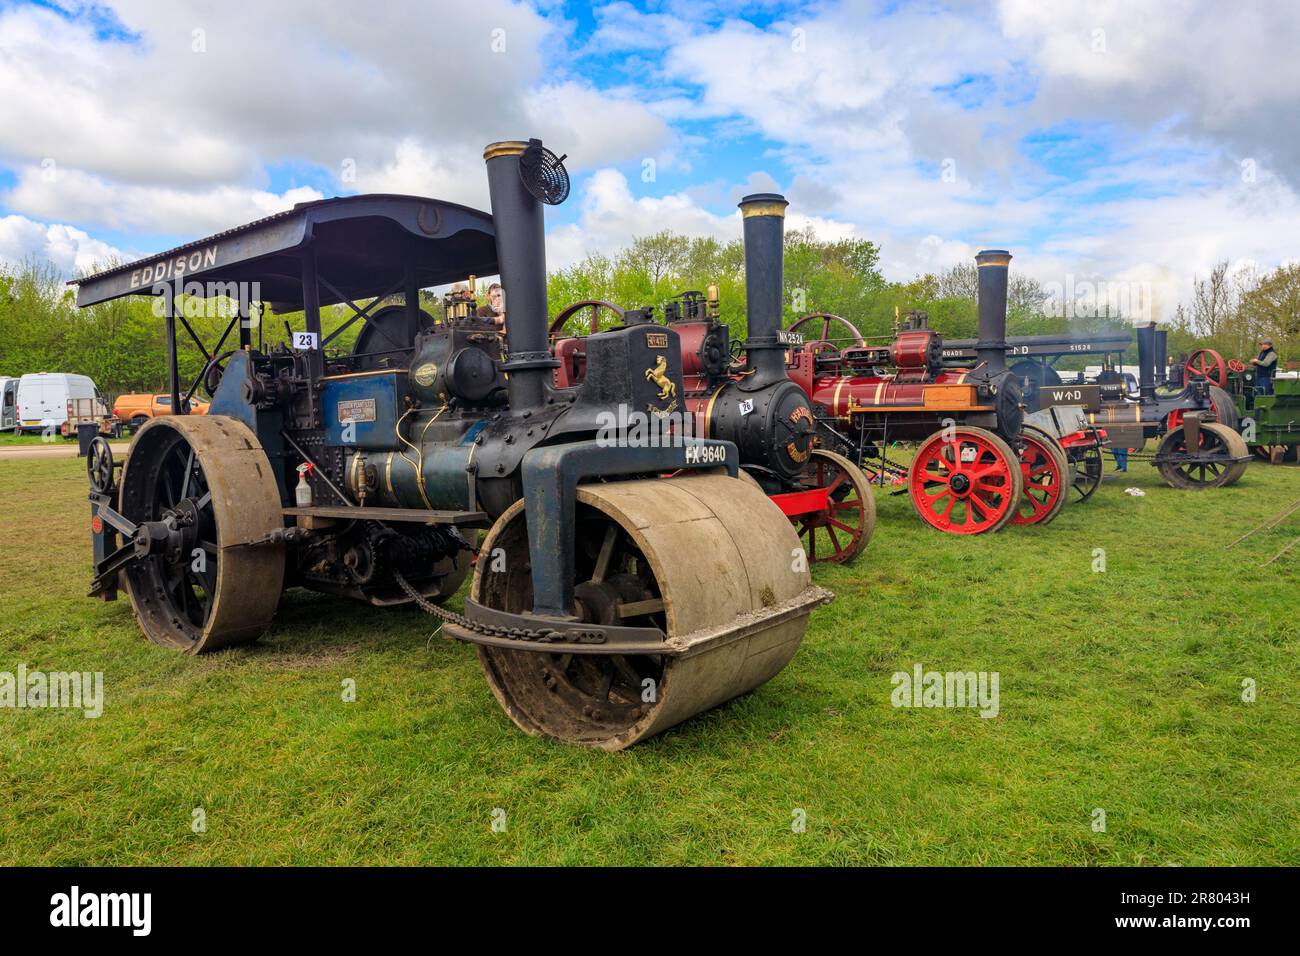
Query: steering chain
542	635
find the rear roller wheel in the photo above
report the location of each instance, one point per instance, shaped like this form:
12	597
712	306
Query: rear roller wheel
1043	467
838	534
1212	466
682	554
965	481
206	578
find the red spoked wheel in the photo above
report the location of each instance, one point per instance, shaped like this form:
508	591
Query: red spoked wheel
965	481
1043	467
838	534
1207	363
1236	365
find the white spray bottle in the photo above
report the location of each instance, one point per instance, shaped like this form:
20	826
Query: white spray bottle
303	491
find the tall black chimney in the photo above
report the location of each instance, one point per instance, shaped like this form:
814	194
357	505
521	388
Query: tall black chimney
521	256
764	218
1161	356
991	346
1146	360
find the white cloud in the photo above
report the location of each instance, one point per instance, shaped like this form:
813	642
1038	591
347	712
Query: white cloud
871	104
68	248
1218	75
206	97
72	194
612	217
866	105
593	127
419	170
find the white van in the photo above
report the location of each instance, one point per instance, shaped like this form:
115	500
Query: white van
8	402
43	399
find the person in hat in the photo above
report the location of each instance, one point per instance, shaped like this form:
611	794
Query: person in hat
1265	366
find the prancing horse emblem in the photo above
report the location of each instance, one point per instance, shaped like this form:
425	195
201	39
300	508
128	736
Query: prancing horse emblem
667	387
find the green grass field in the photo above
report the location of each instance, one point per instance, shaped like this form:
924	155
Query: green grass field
9	438
1119	691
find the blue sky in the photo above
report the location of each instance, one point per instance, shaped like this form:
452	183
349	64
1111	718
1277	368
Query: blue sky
1126	143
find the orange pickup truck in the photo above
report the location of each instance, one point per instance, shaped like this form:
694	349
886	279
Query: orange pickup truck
135	410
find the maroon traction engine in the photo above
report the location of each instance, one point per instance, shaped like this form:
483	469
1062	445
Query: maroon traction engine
978	467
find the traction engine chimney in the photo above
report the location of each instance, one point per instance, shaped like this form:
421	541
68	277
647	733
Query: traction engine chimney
1160	357
991	347
1146	336
521	257
764	224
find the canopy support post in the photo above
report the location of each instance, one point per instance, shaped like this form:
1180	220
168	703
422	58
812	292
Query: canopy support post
311	313
411	293
173	370
244	310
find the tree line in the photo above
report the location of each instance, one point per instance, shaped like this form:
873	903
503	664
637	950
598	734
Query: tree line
122	344
1232	309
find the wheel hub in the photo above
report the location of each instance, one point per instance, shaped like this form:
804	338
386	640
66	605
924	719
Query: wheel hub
172	536
597	602
967	483
600	602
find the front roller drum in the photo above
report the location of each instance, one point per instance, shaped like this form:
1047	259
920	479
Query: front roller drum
215	581
965	480
707	559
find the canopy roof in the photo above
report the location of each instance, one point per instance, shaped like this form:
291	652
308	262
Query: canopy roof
361	244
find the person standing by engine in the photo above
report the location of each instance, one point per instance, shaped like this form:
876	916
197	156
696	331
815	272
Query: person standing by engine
1265	366
495	307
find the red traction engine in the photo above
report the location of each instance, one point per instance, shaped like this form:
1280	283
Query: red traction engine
977	467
